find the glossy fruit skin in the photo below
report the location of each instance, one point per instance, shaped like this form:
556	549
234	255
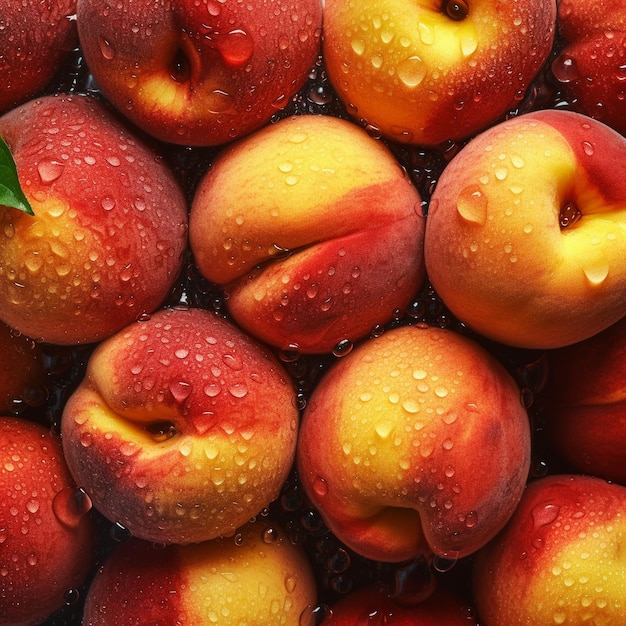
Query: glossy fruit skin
200	73
313	229
47	546
415	443
590	65
423	77
255	577
37	37
107	239
182	429
500	247
559	560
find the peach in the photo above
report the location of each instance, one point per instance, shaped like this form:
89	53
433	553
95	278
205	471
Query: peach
313	229
200	73
525	236
559	560
585	403
110	226
182	429
47	537
425	72
591	64
37	38
257	577
415	443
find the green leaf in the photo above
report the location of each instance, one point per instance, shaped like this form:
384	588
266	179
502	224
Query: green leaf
11	194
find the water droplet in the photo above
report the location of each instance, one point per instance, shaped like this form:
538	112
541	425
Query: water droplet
343	348
49	171
319	486
236	47
446	561
180	390
472	205
106	48
358	46
469	44
238	390
108	203
588	148
544	514
384	429
411	71
597	274
70	505
565	69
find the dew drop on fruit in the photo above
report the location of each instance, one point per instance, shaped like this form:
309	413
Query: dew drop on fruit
411	71
106	48
319	486
358	46
588	148
564	69
472	205
236	47
69	505
469	44
342	348
213	7
596	274
180	390
71	597
446	561
238	390
49	171
545	514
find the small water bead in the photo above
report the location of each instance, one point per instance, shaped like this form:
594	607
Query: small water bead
544	515
49	171
343	348
564	69
106	49
411	71
445	562
70	505
472	205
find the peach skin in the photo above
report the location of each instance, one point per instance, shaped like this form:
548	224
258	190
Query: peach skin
415	443
314	230
182	429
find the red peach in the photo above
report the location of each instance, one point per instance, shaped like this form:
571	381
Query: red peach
424	71
314	230
415	442
110	224
47	543
591	65
525	237
257	577
200	73
36	39
559	560
182	429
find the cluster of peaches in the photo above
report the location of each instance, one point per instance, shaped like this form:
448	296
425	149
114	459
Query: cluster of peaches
313	313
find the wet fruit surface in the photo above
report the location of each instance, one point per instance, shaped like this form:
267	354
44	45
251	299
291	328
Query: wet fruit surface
337	569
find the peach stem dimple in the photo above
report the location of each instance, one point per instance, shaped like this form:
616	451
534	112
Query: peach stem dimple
569	215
